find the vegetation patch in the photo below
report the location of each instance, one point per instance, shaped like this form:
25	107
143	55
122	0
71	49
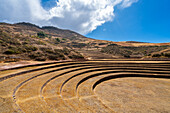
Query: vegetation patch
79	45
127	51
41	34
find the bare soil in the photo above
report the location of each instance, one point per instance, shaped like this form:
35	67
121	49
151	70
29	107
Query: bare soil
100	86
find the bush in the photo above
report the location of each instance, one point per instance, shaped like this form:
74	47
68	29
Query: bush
61	56
38	56
127	56
76	57
66	51
167	55
53	57
79	45
14	42
149	54
41	34
47	50
58	40
11	51
40	43
30	48
102	43
130	50
49	37
40	59
156	55
56	57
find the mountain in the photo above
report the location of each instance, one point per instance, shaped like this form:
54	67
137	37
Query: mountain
26	41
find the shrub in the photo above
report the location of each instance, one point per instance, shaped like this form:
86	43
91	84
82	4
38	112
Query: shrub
76	57
79	45
58	40
72	38
17	36
61	56
53	57
156	55
25	42
102	43
56	57
11	51
167	55
41	34
38	56
49	37
40	59
47	50
130	50
33	56
14	42
40	43
149	54
127	56
66	51
30	48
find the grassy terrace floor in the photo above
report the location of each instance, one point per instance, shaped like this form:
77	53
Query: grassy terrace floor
104	86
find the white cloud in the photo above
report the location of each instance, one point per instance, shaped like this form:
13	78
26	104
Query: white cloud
128	3
82	16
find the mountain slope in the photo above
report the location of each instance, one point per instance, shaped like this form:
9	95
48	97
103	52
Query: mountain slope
21	42
26	41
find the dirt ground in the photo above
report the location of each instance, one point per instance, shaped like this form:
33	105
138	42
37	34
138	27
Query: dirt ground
100	86
136	95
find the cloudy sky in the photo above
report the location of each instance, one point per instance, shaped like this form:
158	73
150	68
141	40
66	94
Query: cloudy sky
116	20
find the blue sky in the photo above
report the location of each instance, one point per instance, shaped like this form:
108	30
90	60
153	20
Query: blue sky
146	21
115	20
47	4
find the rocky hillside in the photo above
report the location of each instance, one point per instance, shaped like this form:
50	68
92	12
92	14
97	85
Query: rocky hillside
25	41
137	52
